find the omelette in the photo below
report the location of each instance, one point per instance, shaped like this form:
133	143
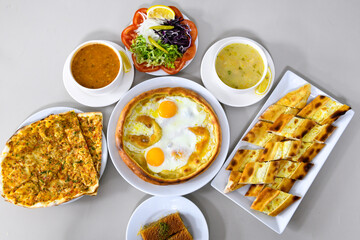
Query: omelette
48	162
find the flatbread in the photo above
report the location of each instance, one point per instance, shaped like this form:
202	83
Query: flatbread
280	150
259	134
282	184
91	124
319	133
296	98
274	111
47	163
258	173
308	152
323	110
237	165
293	170
292	127
272	202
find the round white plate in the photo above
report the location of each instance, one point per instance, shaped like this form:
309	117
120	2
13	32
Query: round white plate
209	78
155	208
56	110
161	72
169	190
99	100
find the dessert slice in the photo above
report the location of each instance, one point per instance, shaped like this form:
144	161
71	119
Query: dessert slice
323	110
272	202
296	98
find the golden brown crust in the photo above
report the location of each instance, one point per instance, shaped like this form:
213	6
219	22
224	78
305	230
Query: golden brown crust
137	168
259	134
274	111
296	98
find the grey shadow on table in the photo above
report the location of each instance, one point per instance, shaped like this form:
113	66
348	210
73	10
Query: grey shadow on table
211	211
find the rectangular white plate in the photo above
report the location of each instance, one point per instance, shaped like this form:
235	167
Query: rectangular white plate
289	82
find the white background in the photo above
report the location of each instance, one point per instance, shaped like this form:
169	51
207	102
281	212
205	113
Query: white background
319	40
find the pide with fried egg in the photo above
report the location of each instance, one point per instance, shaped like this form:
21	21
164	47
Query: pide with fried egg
168	135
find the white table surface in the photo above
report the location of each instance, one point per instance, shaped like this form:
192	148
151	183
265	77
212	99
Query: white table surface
319	40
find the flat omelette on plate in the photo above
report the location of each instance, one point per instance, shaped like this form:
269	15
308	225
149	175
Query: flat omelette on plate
48	162
168	135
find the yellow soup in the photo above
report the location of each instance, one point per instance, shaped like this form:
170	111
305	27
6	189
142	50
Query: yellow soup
95	66
239	66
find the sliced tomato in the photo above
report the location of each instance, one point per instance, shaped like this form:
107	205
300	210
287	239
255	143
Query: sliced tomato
190	53
138	16
193	31
142	67
179	64
128	35
177	11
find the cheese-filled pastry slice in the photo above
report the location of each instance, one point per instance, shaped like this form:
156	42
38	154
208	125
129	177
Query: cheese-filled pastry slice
292	127
272	202
282	184
323	110
258	173
259	134
293	170
237	165
308	151
296	98
319	133
274	111
280	150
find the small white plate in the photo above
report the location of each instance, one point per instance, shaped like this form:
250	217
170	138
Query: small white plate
177	189
155	208
161	72
99	100
56	110
289	82
209	78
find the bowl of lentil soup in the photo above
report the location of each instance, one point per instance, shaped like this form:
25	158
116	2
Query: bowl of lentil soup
96	67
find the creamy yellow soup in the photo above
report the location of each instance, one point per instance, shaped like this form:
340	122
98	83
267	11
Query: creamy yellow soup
239	66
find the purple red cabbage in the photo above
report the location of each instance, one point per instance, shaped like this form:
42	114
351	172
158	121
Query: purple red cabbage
179	35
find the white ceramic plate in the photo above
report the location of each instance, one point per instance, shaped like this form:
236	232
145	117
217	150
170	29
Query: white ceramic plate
289	82
178	189
155	208
99	100
56	110
161	72
210	79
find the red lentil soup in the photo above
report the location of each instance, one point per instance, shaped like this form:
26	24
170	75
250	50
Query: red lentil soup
95	66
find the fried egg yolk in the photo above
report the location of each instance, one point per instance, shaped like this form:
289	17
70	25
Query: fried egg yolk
167	109
155	157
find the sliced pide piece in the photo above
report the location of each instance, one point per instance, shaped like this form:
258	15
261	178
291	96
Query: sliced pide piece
308	151
237	165
296	98
323	110
280	150
258	173
242	157
233	182
319	133
292	127
293	170
282	184
274	111
259	134
273	202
